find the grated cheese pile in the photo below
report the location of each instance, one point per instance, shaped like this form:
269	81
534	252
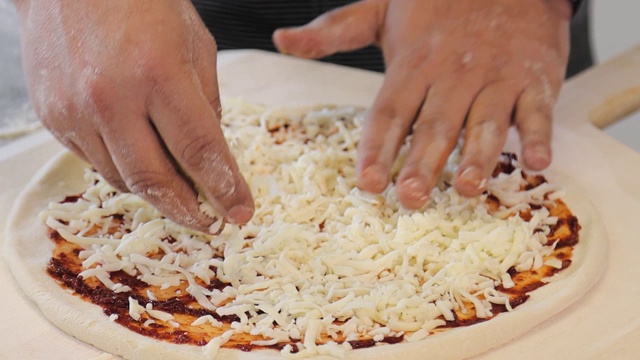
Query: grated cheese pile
318	249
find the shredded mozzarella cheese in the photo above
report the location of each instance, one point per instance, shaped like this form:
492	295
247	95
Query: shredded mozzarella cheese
318	249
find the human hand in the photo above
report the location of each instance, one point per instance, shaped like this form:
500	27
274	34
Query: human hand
487	63
131	87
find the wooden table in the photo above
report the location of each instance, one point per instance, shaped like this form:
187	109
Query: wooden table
604	324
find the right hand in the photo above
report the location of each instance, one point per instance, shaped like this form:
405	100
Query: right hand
487	63
131	87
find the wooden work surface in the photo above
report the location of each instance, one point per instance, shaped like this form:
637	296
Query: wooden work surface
605	324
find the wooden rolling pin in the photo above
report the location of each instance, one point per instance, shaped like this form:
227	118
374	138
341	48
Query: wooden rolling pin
603	94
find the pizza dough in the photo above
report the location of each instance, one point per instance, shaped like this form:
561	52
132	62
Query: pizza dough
28	251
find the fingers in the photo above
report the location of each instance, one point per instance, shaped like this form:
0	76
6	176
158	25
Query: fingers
347	28
533	118
435	134
147	171
486	132
386	127
114	89
87	143
99	156
190	128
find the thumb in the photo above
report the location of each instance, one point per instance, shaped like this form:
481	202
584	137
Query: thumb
346	28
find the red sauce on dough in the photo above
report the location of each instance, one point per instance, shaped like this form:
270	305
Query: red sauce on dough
565	231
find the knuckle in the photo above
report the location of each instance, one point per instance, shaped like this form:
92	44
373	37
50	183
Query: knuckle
538	107
382	111
487	123
535	131
210	43
48	118
330	18
481	121
146	183
196	149
205	39
227	189
154	65
53	114
207	52
417	167
398	125
417	57
414	58
436	124
99	91
62	128
390	117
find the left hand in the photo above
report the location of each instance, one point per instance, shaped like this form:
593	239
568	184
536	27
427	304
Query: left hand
489	63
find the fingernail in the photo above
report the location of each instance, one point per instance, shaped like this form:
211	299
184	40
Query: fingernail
373	179
239	214
217	227
538	156
472	176
416	190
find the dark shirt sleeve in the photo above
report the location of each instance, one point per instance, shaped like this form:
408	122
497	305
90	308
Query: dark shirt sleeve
248	24
580	56
576	5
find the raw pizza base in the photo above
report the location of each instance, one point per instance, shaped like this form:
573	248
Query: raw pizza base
28	250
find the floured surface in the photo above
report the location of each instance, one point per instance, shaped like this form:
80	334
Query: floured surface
604	170
80	319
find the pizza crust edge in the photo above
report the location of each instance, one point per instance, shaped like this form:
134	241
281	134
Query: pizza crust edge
27	253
